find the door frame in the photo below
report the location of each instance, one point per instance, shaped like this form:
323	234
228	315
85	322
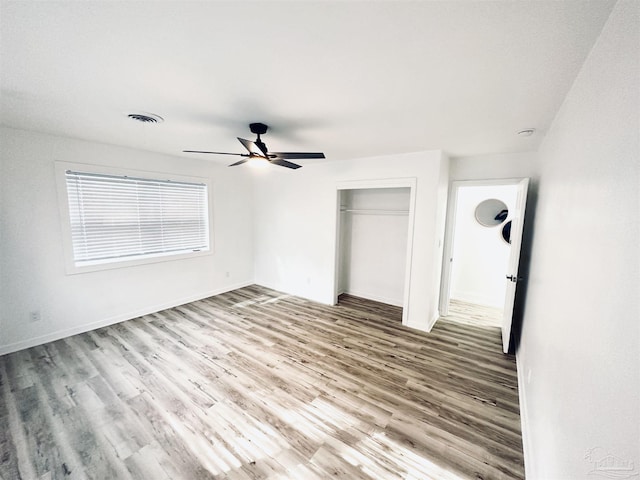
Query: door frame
449	236
409	182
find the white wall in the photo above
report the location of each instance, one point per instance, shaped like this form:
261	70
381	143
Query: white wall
296	219
503	165
31	259
579	355
374	243
480	255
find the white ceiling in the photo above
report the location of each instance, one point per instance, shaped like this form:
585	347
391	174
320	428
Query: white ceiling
352	79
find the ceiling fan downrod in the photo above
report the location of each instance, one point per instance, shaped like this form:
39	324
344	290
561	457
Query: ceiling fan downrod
259	129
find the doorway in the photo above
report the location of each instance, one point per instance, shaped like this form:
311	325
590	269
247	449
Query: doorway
480	251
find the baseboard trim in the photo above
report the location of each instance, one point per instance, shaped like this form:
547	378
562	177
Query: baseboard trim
105	322
432	322
524	419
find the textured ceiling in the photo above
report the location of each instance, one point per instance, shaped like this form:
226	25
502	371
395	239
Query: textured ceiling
352	79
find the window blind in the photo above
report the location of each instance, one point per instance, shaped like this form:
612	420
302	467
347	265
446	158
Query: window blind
118	218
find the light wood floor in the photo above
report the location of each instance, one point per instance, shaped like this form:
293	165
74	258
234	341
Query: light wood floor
472	314
256	384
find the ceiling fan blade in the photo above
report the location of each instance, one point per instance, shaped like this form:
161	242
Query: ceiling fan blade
215	153
297	155
240	162
252	147
284	163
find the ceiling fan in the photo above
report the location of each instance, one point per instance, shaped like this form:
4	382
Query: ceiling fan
258	150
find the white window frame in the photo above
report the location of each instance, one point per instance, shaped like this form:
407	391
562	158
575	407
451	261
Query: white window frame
63	203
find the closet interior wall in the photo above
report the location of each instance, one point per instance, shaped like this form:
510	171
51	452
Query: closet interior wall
374	225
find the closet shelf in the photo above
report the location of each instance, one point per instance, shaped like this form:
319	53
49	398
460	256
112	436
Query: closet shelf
372	211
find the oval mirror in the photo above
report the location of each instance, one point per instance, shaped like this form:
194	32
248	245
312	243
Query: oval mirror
506	232
491	212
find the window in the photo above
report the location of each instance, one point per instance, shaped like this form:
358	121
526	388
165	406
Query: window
118	218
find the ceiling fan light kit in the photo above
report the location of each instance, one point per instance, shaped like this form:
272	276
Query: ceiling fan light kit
257	161
260	154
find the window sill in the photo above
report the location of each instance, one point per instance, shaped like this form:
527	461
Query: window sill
73	269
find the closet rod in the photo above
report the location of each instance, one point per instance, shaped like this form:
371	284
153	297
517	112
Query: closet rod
371	211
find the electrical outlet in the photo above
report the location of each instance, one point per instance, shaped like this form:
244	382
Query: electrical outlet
34	316
226	274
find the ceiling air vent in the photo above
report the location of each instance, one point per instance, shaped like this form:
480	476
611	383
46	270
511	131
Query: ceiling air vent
146	117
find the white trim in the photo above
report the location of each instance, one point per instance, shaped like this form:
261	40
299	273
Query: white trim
524	419
409	262
51	337
447	251
377	183
402	182
371	211
336	250
488	182
429	325
432	322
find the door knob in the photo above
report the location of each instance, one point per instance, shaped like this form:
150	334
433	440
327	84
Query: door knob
512	278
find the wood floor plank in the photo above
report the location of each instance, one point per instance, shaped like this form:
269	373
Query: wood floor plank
14	462
257	384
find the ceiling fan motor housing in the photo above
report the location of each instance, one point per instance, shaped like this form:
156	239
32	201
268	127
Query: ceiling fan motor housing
258	128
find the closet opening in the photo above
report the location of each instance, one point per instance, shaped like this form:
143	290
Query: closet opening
373	254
